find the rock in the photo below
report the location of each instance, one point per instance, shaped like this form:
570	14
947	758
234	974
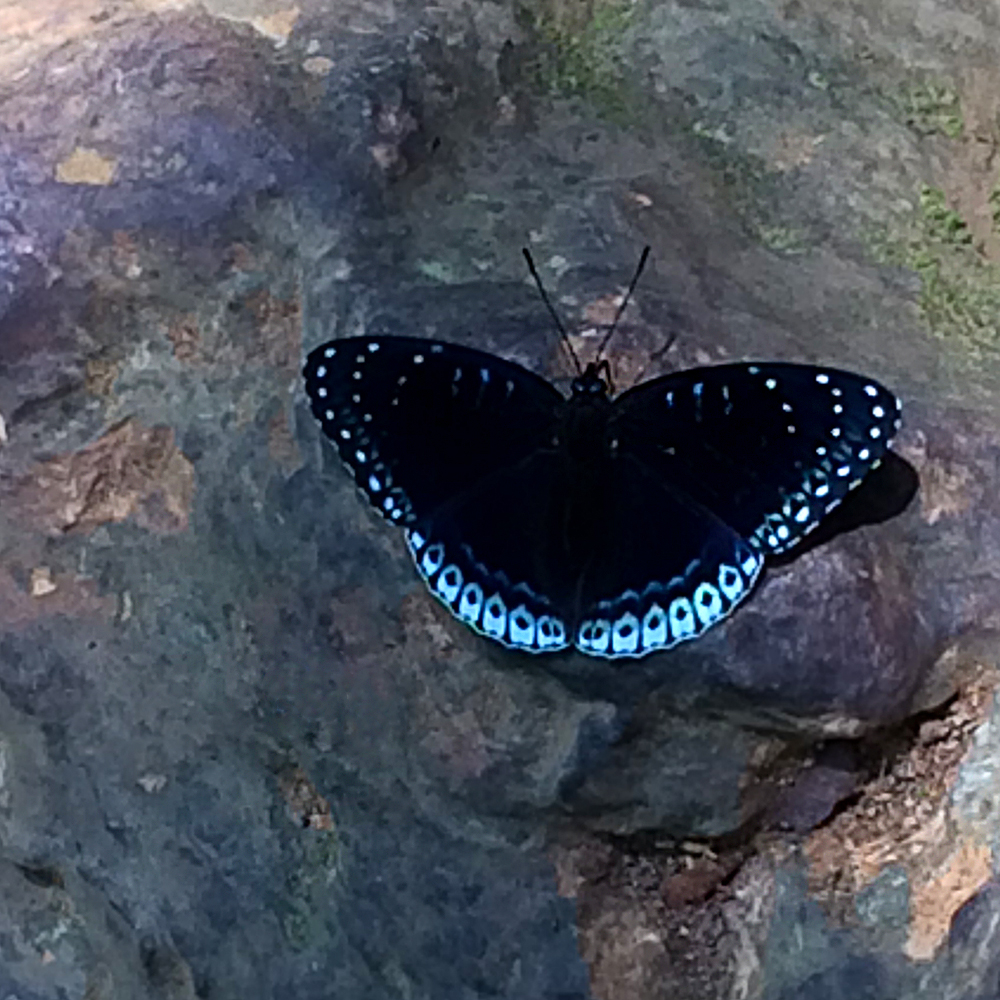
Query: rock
242	751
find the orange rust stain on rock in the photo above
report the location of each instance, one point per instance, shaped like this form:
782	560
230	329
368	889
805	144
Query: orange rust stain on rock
281	444
131	472
935	902
309	808
71	596
86	166
185	337
278	325
240	257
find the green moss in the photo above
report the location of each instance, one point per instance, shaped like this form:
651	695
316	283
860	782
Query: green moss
783	239
942	225
308	888
581	55
932	108
960	288
995	208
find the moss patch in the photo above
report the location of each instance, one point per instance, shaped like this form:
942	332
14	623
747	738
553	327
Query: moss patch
931	107
960	288
582	53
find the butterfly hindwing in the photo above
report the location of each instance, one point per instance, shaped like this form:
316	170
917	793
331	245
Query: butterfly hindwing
418	421
489	556
769	448
664	570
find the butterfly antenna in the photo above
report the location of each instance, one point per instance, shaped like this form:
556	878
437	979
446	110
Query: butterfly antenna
655	358
628	295
564	337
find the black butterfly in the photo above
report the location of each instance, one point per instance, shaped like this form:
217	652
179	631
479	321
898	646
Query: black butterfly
618	526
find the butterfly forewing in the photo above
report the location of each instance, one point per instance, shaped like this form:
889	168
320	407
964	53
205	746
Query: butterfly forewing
769	449
456	445
419	422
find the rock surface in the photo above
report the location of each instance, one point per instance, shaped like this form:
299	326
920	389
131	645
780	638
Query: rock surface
242	752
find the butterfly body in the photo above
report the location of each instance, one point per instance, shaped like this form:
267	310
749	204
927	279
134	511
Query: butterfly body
618	525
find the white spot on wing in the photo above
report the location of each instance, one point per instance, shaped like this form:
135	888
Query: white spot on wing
549	633
495	617
471	605
600	636
681	617
430	561
449	583
730	582
654	628
707	603
625	634
521	625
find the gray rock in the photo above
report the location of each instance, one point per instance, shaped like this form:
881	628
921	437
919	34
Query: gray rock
242	751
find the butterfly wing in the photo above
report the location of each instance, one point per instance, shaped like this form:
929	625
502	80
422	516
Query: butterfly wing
494	556
769	449
665	568
456	445
419	422
715	469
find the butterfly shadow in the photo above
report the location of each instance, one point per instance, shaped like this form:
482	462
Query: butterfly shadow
884	494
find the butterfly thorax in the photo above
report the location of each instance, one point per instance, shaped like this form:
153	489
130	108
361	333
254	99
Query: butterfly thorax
583	430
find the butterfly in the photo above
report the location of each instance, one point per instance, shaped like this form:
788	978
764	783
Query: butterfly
618	525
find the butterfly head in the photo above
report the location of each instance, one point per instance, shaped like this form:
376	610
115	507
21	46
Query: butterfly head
595	381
